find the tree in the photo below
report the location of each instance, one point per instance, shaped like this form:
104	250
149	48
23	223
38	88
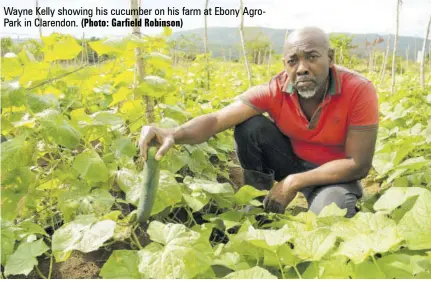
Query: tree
423	54
395	46
7	46
257	45
342	45
241	33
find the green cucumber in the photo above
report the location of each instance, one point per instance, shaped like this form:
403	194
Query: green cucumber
149	186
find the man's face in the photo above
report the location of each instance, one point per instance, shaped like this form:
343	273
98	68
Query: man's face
307	63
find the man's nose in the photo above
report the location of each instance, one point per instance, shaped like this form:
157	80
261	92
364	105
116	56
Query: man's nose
302	68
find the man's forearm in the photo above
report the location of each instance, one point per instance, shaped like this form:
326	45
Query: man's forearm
337	171
197	130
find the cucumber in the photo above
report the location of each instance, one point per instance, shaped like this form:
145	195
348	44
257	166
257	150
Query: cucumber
150	183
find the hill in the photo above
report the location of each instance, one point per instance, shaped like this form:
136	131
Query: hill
225	38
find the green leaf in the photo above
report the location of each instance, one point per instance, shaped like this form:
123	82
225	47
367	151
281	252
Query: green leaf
334	268
84	234
313	245
252	273
368	270
396	266
155	86
366	234
91	167
196	200
24	259
184	253
168	193
231	218
7	243
38	103
210	187
415	226
15	153
231	260
12	95
265	238
176	113
284	255
158	60
105	47
332	210
60	47
395	197
11	66
29	227
246	193
124	146
106	118
57	128
75	202
122	264
415	163
174	160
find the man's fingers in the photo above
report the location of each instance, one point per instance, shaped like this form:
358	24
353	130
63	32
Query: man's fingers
146	136
272	206
163	149
265	202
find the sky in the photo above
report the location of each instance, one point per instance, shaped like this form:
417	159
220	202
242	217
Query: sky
353	16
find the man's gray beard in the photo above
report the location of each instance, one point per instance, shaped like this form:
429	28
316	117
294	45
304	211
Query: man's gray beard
307	94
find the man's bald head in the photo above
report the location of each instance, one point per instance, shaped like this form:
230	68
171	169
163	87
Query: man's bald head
307	35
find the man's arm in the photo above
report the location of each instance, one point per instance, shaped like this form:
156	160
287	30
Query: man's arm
360	146
201	128
359	151
197	130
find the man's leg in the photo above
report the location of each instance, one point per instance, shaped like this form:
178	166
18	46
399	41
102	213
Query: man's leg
264	152
344	196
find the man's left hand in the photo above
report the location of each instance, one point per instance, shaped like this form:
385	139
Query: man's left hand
280	196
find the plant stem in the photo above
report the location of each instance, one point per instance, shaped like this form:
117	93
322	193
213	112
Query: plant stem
191	215
375	262
40	273
50	266
136	240
297	272
279	265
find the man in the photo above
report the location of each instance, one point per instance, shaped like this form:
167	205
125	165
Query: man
321	140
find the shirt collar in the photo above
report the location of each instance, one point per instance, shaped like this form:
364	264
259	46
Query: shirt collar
334	83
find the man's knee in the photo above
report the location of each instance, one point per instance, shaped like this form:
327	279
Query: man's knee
256	126
337	195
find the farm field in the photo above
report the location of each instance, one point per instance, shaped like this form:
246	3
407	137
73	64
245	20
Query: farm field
71	175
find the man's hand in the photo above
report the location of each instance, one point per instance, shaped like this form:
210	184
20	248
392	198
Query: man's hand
280	195
151	134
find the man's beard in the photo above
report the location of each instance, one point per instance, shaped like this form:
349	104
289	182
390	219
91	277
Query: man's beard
307	94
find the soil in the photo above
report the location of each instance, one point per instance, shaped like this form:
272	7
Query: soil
80	265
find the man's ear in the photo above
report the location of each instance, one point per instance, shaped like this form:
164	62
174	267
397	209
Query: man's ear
331	56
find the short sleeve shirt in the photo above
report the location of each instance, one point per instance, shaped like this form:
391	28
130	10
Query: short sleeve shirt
351	104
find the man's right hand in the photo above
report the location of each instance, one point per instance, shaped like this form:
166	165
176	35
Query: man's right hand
150	135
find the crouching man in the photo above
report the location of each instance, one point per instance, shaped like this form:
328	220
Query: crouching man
321	137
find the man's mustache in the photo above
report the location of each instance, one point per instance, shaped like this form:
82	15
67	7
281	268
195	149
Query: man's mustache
304	80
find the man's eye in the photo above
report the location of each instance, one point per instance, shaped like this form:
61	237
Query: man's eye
291	61
312	57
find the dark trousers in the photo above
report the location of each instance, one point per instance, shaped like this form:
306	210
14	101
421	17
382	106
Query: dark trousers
266	155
